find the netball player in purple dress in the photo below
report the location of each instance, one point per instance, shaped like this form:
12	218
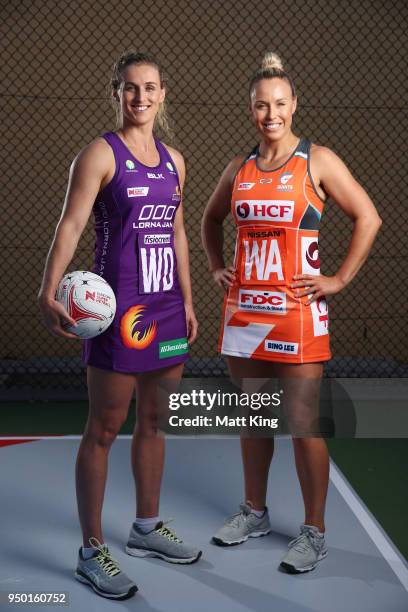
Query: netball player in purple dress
133	184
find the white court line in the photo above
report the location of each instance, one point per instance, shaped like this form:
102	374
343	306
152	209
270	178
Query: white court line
367	521
129	437
34	437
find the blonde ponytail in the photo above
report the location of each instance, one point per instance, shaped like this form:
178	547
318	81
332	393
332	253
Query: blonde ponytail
271	68
271	61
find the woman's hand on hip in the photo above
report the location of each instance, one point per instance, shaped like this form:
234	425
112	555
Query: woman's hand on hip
315	286
224	277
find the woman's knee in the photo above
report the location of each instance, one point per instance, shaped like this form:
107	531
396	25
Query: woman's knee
303	421
148	422
103	432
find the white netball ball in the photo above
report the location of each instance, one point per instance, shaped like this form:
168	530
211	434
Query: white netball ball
88	299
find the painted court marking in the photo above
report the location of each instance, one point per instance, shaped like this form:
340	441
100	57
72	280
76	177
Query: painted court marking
369	524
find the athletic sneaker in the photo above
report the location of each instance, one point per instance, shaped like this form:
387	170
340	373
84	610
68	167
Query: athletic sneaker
241	526
161	542
304	551
102	573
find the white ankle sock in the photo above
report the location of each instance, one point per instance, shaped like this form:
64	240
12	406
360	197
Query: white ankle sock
146	524
257	513
87	553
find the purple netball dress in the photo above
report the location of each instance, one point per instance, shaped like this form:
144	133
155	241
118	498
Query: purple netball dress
134	216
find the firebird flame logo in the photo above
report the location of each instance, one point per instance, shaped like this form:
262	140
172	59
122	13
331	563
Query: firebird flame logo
134	334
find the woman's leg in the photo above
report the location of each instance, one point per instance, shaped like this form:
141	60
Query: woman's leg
109	397
256	452
147	538
301	384
312	465
148	442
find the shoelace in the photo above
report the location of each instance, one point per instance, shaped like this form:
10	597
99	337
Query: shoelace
303	541
105	560
168	533
236	518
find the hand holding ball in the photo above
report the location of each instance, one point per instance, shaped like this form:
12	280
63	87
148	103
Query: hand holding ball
89	300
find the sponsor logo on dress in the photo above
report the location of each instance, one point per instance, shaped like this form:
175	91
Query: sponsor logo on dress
265	210
157	239
176	195
320	313
137	192
277	346
170	167
171	348
262	301
155	175
310	256
265	234
265	181
130	166
245	186
155	215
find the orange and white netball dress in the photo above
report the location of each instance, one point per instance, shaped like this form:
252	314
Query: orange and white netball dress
277	214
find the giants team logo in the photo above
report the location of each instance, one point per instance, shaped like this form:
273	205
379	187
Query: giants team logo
262	301
310	256
286	177
265	210
320	313
134	332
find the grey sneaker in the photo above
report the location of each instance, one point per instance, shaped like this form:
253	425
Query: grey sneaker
241	526
161	542
102	573
304	551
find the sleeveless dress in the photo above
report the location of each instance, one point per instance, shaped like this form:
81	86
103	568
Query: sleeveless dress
134	252
277	214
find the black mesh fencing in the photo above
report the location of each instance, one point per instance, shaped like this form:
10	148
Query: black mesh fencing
348	61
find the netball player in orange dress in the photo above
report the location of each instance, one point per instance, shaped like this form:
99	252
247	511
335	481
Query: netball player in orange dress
275	315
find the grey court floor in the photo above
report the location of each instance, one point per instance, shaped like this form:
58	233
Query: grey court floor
202	484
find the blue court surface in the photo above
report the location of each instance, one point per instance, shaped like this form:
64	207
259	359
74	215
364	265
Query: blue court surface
202	485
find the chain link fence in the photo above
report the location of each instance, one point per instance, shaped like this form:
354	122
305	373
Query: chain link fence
348	61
